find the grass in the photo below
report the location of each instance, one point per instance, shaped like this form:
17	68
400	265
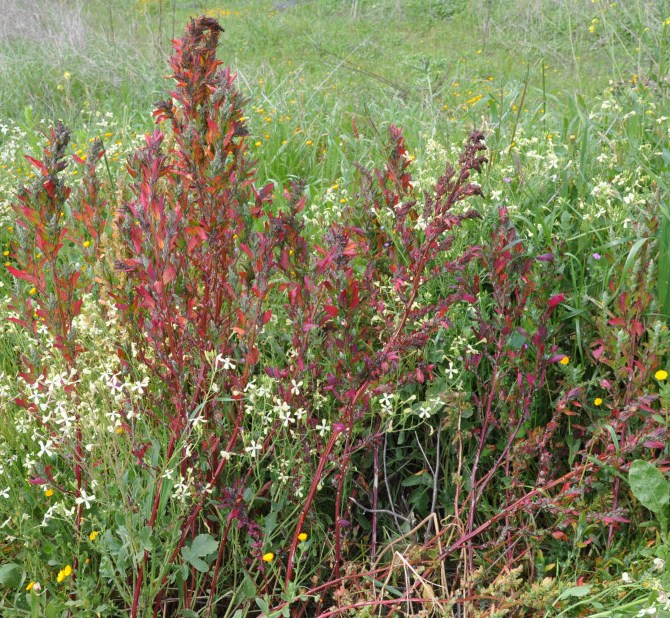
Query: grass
572	98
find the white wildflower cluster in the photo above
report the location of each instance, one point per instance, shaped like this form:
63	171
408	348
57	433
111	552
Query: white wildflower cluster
330	209
266	409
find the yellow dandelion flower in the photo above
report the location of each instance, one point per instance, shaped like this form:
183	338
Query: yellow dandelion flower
32	291
661	375
63	573
87	243
258	144
302	537
94	535
565	360
269	557
597	401
30	586
49	492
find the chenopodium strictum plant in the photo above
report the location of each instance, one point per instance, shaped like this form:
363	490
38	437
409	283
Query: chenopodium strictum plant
51	255
198	257
359	312
202	253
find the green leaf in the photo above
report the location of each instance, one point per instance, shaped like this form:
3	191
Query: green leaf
10	575
248	587
516	341
204	544
650	487
422	478
145	538
262	605
575	591
197	563
52	610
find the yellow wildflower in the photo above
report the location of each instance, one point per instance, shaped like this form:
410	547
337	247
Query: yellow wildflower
269	557
565	360
63	573
597	401
661	375
302	537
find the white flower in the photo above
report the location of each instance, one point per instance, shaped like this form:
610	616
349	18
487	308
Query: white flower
286	418
45	448
451	371
386	402
295	389
323	428
28	463
649	611
281	407
224	362
4	493
254	448
424	412
627	579
168	474
85	499
659	564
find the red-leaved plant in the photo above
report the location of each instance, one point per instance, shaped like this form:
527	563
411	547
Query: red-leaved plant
219	290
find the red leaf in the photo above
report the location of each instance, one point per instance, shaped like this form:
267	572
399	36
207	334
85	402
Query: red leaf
637	327
38	164
351	249
331	310
557	299
654	444
560	536
20	274
617	322
170	274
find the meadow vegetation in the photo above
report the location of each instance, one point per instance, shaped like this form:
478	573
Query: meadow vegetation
358	308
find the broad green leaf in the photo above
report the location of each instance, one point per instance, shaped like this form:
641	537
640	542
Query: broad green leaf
262	605
575	591
197	563
649	486
204	544
422	478
145	538
10	575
